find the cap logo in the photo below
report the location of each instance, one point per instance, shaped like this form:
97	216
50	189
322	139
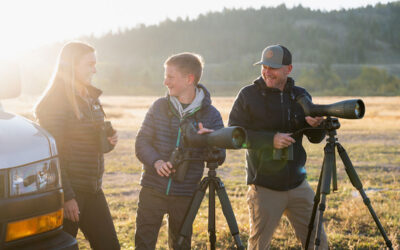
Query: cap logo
269	54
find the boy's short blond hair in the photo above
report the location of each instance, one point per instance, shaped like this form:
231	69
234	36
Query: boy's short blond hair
187	63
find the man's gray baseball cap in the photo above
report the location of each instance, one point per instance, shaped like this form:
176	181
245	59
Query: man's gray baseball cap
275	56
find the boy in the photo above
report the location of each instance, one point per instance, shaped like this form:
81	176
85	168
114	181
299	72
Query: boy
187	102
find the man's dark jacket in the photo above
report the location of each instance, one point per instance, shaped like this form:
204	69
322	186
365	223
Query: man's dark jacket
263	112
78	140
157	138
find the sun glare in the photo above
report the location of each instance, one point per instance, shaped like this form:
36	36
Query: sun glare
27	24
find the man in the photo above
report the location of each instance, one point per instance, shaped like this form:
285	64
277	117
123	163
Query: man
277	183
187	102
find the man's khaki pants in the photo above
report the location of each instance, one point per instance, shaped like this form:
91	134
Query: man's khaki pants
266	207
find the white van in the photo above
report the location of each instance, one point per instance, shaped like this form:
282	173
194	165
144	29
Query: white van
31	196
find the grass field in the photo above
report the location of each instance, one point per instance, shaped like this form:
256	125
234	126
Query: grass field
373	144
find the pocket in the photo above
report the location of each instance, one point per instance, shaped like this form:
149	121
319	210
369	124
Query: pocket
252	203
251	192
268	166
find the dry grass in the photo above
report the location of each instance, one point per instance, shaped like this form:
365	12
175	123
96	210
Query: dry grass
372	144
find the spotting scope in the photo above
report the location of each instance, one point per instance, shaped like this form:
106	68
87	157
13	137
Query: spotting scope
229	138
348	109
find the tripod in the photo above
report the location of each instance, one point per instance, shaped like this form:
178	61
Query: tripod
215	185
328	172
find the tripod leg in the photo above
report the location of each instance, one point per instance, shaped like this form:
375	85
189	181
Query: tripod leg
355	180
327	170
192	210
228	212
211	215
314	211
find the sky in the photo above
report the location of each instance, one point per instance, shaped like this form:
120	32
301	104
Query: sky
27	24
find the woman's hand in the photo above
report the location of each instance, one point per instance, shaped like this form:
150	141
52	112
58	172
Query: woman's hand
71	210
113	139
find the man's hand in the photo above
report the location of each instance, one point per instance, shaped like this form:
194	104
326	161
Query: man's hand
283	140
163	168
113	139
71	210
203	130
314	121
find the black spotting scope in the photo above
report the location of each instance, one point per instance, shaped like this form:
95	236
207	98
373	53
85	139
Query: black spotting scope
348	109
228	138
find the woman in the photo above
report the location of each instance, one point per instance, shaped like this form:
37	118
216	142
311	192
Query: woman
70	110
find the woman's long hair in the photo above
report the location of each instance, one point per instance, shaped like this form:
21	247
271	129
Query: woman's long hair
63	78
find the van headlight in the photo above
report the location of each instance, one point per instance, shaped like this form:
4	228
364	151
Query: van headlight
37	177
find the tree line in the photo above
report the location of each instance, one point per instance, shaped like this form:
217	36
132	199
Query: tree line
131	61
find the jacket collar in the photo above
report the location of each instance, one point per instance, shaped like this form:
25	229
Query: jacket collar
261	85
207	98
94	92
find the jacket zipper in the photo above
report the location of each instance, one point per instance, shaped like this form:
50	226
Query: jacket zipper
98	153
285	125
283	111
178	140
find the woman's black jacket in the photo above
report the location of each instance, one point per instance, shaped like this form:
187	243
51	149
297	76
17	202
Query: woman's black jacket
78	140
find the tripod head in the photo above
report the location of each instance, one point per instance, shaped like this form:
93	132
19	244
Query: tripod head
181	159
213	156
330	124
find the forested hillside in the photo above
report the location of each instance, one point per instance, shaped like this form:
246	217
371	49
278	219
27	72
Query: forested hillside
333	52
